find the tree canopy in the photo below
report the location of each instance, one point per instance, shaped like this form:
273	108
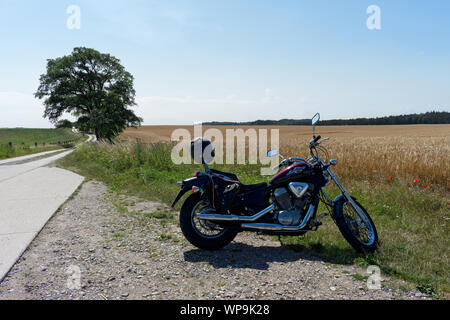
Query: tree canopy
92	86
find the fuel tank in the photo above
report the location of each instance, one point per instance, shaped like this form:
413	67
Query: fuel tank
296	171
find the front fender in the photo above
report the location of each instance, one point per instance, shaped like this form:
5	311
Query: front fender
187	185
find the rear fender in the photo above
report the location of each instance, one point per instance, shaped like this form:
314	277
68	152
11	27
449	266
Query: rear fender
186	185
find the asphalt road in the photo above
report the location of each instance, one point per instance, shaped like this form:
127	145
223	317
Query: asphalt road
30	193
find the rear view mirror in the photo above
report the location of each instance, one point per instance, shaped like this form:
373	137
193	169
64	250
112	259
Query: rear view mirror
272	153
316	118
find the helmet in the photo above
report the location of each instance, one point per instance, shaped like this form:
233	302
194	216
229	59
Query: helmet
202	150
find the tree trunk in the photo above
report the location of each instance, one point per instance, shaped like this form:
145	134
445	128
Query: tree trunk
98	134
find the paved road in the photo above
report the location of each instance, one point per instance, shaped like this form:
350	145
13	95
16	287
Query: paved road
30	156
30	193
91	138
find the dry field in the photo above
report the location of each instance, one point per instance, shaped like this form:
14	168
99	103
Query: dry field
405	152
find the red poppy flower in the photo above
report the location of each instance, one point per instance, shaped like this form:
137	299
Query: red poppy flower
390	178
416	180
425	186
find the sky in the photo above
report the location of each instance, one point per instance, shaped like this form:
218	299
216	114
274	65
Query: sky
238	60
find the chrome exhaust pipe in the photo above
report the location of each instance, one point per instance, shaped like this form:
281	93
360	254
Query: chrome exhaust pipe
232	217
279	227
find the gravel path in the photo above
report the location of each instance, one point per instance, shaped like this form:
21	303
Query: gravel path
122	249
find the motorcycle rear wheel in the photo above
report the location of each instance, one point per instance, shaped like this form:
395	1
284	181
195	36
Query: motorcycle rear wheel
201	233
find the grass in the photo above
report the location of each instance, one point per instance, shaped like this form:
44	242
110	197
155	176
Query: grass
159	215
165	237
8	152
359	277
412	221
19	142
40	136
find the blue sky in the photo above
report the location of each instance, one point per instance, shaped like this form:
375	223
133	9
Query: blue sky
238	60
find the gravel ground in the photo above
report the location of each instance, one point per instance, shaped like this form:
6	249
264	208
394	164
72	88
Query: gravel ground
120	250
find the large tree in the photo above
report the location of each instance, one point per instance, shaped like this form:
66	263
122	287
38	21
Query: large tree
92	86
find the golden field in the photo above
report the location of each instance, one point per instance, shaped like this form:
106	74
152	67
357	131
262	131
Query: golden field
405	152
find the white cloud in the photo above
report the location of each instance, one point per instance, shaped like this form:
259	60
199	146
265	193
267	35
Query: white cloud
22	110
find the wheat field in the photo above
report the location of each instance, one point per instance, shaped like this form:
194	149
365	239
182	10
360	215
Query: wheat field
404	152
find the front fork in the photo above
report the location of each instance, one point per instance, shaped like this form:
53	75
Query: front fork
345	193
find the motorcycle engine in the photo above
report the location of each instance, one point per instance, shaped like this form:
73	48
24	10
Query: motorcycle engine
292	203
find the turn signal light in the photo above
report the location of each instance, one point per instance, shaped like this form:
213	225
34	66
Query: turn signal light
195	189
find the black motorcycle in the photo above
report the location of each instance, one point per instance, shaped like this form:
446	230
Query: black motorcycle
221	206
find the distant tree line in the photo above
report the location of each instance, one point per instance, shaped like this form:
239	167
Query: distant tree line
64	123
433	117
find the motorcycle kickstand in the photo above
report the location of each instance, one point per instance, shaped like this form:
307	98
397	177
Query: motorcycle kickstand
318	222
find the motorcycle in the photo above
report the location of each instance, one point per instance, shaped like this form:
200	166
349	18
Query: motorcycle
221	206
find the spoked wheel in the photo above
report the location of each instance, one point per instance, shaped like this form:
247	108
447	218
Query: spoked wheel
358	230
201	233
204	228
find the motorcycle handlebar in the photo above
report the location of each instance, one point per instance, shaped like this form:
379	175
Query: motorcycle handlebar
314	141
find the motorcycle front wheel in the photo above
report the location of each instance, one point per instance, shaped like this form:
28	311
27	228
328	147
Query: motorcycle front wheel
359	231
201	233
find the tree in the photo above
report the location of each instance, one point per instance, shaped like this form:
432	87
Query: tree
92	86
64	123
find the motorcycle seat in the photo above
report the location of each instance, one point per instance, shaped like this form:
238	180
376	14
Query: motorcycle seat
251	187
